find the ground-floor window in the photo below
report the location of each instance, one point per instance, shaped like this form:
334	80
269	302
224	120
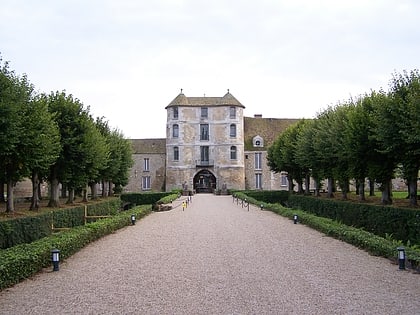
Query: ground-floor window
283	180
258	181
146	183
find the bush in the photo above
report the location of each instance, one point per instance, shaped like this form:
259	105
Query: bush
31	228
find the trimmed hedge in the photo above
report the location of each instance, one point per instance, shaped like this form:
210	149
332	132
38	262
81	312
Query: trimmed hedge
143	198
271	196
24	260
31	228
401	223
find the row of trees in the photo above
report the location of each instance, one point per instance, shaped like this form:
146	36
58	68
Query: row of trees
52	137
376	137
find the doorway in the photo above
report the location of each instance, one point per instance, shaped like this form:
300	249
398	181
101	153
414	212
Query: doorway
204	182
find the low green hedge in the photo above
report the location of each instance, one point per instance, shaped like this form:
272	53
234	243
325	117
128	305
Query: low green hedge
148	198
402	223
31	228
24	260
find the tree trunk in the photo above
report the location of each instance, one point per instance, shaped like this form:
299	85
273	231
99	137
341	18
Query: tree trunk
371	187
85	194
361	189
300	186
93	191
412	191
317	187
35	191
307	184
70	199
10	206
110	188
54	201
63	191
2	199
386	193
290	182
104	188
330	187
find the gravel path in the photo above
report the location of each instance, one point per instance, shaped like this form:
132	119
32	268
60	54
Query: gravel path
217	258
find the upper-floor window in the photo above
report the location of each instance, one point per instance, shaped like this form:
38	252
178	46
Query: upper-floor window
257	141
204	153
232	131
175	131
233	153
232	112
176	154
175	112
204	132
258	161
204	112
146	165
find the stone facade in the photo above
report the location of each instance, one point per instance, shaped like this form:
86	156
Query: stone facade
209	146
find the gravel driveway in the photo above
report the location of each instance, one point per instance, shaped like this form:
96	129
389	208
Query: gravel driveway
217	258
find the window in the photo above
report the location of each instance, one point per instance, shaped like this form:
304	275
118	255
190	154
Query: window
175	112
204	153
146	182
233	152
283	180
176	154
232	130
146	165
204	132
257	141
204	112
258	181
258	161
175	131
232	112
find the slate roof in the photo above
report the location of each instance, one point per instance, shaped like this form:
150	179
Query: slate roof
227	99
149	146
267	128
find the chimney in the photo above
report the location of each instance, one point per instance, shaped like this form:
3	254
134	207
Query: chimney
257	115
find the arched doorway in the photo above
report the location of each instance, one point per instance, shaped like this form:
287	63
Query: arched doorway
204	182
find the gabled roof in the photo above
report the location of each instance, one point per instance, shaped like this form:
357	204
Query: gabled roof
267	128
149	146
227	99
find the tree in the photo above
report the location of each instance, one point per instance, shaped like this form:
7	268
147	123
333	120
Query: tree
41	142
403	137
15	94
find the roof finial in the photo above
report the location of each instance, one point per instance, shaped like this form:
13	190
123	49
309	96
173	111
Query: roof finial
181	91
228	91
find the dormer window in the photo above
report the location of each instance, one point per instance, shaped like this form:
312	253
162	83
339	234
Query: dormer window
258	142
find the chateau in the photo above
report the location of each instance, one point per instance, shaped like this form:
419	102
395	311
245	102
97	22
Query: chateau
209	146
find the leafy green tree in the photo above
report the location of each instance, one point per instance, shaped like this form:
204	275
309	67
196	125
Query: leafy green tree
382	167
71	119
402	138
15	94
41	142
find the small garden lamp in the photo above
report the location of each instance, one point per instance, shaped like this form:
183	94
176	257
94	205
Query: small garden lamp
55	257
295	218
133	219
262	207
401	257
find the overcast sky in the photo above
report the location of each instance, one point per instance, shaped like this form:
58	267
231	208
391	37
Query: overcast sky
128	59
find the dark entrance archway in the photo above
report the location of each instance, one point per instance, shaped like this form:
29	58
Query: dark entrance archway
204	182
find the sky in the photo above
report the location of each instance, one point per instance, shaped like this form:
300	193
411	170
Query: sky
126	60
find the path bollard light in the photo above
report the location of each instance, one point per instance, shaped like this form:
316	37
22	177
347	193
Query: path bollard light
262	207
401	257
55	257
133	219
295	219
